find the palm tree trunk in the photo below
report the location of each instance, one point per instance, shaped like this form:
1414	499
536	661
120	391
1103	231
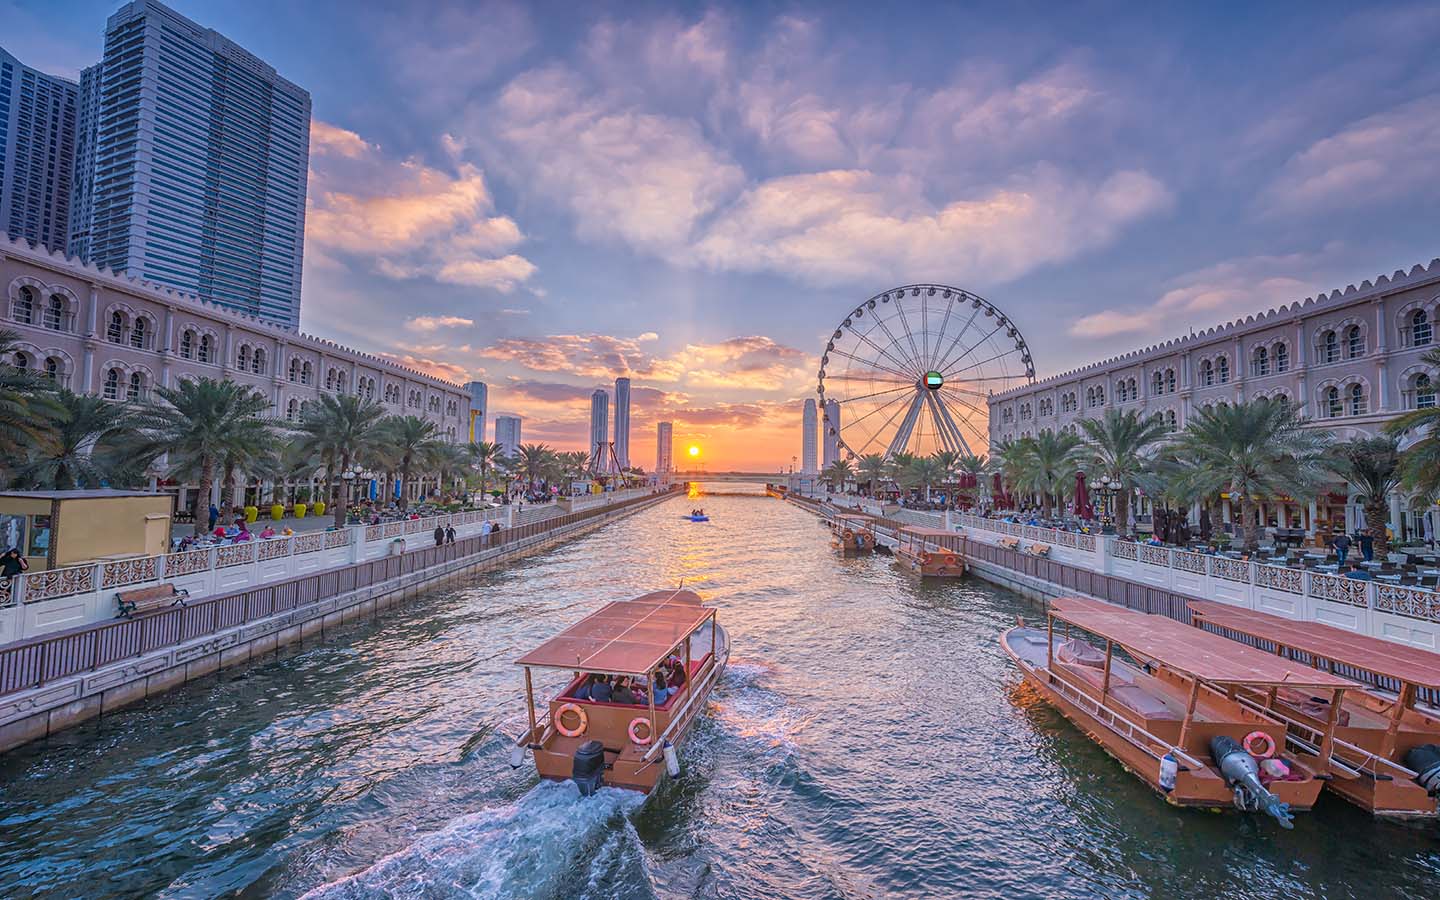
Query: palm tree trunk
1122	512
337	504
1249	533
405	482
227	489
201	508
1377	515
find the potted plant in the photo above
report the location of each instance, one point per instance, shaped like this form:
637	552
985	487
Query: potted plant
319	507
252	513
277	509
300	510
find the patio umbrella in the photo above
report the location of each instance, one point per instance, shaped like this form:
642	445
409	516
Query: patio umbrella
1083	509
997	492
1205	527
1160	523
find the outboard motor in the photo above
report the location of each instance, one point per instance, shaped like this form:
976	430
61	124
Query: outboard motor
589	769
1425	760
1243	776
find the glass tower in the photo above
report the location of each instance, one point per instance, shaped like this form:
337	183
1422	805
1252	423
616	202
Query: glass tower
37	153
200	165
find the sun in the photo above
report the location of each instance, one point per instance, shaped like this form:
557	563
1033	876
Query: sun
694	450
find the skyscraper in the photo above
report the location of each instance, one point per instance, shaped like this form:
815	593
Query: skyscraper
200	165
664	447
599	431
807	443
622	422
830	428
507	434
479	402
37	153
82	189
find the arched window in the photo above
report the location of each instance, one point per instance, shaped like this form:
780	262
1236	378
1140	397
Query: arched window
1282	358
1358	406
112	385
243	357
140	335
1207	373
291	409
206	349
54	368
23	309
1169	420
55	313
133	390
1354	342
294	369
1424	392
22	361
329	379
1329	347
1260	362
307	373
1157	383
257	361
340	382
115	331
1121	392
1333	407
187	344
1222	369
1421	331
1169	381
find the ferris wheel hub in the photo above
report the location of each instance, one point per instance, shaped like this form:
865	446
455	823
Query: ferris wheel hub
934	380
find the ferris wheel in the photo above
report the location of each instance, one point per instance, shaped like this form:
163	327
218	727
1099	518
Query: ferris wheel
909	371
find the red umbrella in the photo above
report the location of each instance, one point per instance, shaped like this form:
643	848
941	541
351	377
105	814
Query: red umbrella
997	491
1083	509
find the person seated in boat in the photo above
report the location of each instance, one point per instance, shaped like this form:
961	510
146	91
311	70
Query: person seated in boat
622	692
583	691
600	691
659	687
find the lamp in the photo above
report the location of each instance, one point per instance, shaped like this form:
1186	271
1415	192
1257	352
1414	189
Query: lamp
1107	488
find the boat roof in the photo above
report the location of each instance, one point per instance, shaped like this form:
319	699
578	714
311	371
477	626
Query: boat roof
928	532
1361	651
1193	652
854	515
623	637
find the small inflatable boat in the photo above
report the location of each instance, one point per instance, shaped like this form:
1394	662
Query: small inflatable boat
697	518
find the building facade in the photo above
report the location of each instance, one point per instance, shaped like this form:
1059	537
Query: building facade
200	165
622	422
1349	359
97	332
599	431
37	153
479	403
830	429
82	188
664	448
507	434
807	440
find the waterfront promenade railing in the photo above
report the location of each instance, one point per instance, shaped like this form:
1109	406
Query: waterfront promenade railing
34	662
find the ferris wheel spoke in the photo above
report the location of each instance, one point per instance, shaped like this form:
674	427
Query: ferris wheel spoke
943	412
940	335
976	346
903	387
910	335
903	364
883	428
1001	355
884	406
868	379
979	413
865	362
945	357
895	342
902	436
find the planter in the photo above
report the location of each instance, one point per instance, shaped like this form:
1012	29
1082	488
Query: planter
252	513
300	510
277	512
319	507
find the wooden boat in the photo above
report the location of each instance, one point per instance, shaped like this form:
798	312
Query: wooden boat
1171	717
617	744
1387	751
930	552
854	534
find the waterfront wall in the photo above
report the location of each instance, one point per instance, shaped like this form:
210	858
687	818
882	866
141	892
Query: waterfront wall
51	683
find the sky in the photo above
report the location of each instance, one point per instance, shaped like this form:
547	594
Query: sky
547	196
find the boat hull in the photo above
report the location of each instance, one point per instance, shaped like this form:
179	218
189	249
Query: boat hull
931	564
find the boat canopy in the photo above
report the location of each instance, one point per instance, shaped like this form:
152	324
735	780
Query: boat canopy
920	532
624	637
1403	663
1200	655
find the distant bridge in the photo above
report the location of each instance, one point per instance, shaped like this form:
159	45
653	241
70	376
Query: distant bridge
756	477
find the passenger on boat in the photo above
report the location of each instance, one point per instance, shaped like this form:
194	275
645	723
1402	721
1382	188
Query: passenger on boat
659	688
600	690
622	693
677	675
583	691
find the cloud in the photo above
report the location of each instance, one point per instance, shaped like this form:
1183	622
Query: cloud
584	355
437	368
434	323
1209	296
407	219
1380	158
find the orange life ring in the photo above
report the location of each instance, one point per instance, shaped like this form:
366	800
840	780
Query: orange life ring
949	559
847	535
1259	736
560	723
641	720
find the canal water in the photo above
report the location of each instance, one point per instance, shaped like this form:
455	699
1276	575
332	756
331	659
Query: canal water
869	740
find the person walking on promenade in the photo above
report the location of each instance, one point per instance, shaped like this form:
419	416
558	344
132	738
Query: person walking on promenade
214	517
449	534
12	564
1342	547
439	535
1367	546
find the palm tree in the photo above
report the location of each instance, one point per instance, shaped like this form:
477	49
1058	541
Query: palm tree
451	462
336	428
1372	468
94	442
411	440
975	467
26	410
1116	445
1421	463
484	454
872	470
535	462
838	473
925	472
1255	449
1047	461
198	424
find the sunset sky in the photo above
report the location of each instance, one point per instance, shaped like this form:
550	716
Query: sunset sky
545	196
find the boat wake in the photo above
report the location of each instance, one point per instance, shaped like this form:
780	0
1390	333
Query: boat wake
547	843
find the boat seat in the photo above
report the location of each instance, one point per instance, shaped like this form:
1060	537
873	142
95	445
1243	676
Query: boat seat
1143	702
568	695
1081	654
1310	705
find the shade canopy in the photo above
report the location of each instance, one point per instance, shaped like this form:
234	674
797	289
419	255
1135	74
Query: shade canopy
1198	654
1380	657
624	637
1083	509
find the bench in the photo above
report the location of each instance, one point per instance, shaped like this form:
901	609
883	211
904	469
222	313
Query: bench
1042	550
1010	543
148	599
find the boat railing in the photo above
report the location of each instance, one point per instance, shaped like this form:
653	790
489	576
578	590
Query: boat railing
682	714
1117	722
1310	738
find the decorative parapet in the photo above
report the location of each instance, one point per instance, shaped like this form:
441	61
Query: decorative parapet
1185	561
234	555
275	548
121	572
187	563
1155	556
59	583
1280	578
1404	601
1230	569
309	543
1338	589
1124	550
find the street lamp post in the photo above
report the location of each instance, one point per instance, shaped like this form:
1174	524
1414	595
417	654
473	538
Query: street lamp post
1107	488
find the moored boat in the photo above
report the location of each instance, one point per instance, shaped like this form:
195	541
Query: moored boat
1387	751
1171	717
854	534
930	552
604	742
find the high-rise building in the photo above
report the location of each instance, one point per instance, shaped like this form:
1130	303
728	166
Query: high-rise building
807	442
830	428
200	165
622	422
599	431
37	153
479	403
82	188
664	447
507	434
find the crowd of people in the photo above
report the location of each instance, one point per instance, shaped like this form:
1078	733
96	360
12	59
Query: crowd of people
664	683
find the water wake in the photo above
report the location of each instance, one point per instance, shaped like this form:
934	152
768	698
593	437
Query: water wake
536	847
